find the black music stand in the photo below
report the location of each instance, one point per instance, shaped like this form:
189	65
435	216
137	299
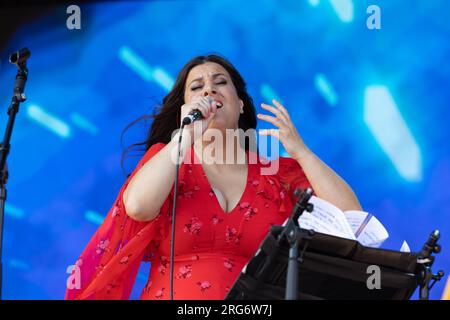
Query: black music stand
331	268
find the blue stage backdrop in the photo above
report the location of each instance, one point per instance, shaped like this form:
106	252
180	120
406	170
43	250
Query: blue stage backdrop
373	104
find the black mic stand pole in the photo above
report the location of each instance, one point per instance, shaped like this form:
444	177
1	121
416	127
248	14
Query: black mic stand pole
295	237
19	58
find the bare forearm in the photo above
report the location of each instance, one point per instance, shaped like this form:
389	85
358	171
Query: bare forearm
151	185
327	184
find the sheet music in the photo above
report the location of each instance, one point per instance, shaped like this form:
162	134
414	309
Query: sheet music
328	218
374	234
355	225
308	221
355	219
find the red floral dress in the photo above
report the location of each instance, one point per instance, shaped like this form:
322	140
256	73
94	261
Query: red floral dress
211	246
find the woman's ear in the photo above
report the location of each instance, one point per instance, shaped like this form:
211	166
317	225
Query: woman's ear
241	106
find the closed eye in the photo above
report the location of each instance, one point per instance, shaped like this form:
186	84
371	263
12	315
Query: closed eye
223	82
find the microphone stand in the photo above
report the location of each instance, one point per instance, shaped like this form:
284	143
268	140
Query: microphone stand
19	58
426	259
296	236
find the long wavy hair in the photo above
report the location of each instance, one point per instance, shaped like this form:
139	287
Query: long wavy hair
166	118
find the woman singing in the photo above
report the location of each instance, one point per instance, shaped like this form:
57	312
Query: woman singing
224	210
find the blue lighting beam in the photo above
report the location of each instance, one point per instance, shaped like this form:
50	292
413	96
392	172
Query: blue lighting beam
387	125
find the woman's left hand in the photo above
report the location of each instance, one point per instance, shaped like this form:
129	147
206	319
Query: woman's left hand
286	132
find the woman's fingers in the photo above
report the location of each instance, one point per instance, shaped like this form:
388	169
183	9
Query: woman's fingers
273	120
275	111
281	108
286	131
204	105
213	108
211	105
204	109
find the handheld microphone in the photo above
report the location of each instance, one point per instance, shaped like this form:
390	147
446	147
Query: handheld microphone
196	114
192	116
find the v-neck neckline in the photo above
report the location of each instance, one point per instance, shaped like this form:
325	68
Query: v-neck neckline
244	194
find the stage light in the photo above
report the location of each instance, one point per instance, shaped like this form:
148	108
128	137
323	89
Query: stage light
134	62
163	79
326	89
142	68
93	217
314	3
49	121
13	211
384	120
344	9
83	123
269	94
18	264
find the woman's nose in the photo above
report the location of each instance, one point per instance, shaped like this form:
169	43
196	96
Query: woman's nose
209	91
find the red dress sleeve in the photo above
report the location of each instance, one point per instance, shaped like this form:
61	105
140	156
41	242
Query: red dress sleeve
291	176
108	265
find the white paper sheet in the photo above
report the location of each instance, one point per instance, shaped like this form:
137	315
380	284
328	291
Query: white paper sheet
355	225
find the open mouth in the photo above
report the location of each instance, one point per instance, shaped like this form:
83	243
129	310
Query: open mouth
219	104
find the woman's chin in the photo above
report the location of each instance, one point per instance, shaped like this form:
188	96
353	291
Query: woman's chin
217	123
220	122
